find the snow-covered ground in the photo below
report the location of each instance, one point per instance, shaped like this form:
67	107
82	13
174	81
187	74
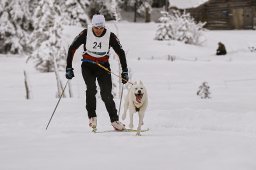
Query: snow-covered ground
186	132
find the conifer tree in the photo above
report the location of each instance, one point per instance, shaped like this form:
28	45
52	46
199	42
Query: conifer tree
181	27
108	8
46	38
73	12
15	26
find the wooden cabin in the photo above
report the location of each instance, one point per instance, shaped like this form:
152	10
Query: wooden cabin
226	14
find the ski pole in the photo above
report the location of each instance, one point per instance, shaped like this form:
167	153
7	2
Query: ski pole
121	100
57	104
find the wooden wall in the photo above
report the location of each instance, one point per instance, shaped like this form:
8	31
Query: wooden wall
226	14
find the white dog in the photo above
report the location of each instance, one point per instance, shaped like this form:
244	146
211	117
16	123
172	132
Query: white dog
136	101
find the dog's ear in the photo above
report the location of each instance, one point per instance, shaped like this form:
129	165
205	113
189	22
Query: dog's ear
141	83
135	83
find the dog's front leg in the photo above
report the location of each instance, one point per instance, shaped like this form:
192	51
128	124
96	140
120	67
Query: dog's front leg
141	116
131	118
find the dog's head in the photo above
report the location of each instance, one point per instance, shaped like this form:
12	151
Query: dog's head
138	92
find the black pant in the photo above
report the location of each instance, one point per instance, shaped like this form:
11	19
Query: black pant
91	72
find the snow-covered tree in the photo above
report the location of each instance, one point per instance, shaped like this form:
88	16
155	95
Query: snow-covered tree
15	26
204	91
49	53
46	38
126	5
181	27
115	10
108	8
145	9
73	12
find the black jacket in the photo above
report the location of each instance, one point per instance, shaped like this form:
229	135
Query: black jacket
81	39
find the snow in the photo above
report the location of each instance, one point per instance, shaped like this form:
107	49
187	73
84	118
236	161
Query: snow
186	132
184	4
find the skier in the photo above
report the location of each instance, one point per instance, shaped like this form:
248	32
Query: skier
97	41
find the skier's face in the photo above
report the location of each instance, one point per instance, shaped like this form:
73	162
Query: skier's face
98	30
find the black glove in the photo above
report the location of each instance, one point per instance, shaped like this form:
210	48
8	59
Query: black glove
69	73
125	76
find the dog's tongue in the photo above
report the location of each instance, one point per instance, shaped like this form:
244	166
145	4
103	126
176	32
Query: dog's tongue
138	98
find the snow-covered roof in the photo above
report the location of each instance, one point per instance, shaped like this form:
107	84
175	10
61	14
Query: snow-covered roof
184	4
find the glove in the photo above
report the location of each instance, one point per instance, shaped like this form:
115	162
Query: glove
125	76
69	73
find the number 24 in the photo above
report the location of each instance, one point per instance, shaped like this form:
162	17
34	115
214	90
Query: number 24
96	45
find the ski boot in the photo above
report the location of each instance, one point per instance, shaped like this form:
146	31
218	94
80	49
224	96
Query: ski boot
118	126
93	123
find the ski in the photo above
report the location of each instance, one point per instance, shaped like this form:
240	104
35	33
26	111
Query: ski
94	130
126	130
